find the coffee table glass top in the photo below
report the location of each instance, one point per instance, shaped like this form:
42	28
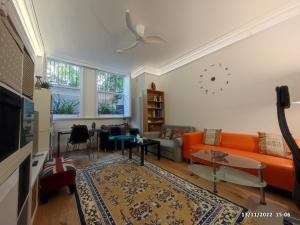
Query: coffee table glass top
227	159
225	167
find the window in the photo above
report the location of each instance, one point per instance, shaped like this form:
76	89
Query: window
112	94
64	79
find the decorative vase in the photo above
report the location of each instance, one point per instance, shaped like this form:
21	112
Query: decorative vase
153	86
38	83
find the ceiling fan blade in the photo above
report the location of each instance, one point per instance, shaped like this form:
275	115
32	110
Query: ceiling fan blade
154	40
129	47
130	25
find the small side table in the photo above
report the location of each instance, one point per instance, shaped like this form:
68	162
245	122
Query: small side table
121	138
144	149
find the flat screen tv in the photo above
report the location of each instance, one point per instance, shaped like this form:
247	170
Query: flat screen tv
10	113
27	121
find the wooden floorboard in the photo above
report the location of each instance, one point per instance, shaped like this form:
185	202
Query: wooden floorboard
62	209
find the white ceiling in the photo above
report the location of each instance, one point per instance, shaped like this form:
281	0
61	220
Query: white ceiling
91	30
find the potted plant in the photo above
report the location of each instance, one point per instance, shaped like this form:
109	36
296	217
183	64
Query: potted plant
45	85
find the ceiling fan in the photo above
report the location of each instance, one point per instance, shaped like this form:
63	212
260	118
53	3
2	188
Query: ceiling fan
139	32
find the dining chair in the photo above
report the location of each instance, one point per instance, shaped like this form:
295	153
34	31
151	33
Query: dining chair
79	135
134	131
105	144
92	135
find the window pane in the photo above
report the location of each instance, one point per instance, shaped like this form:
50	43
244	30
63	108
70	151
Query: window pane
110	89
65	104
63	74
110	103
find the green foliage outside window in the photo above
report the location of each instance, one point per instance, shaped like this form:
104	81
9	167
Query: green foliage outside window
63	74
110	89
63	106
105	108
111	105
108	82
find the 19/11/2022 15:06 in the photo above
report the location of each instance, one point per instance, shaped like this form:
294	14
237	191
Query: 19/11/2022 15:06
266	214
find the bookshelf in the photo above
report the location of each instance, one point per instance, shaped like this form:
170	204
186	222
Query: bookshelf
154	116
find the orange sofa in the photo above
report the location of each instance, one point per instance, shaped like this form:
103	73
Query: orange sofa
279	172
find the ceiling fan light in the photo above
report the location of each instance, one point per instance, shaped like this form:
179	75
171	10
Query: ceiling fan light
296	102
140	29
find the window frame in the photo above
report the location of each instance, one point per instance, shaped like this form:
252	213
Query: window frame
110	116
80	88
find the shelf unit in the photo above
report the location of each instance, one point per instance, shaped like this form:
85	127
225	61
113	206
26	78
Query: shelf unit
154	110
42	105
18	178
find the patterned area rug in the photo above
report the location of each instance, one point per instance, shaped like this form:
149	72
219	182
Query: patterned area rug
120	191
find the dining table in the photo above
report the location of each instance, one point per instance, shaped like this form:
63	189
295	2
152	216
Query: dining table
68	132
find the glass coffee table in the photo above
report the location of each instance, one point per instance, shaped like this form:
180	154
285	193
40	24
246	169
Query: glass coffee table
224	168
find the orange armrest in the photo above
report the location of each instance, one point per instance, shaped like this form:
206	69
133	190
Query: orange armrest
190	139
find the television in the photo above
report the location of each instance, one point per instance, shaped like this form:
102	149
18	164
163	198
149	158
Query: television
35	148
10	109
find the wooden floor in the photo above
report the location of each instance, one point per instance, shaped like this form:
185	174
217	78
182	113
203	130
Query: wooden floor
62	210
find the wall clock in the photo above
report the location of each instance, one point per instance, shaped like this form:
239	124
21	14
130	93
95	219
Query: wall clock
215	78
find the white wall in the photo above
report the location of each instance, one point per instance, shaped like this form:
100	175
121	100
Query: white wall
247	105
89	93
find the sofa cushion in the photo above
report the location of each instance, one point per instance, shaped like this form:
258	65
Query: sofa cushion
212	136
246	142
273	144
166	142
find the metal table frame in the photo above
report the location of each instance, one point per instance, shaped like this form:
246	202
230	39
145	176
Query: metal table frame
59	133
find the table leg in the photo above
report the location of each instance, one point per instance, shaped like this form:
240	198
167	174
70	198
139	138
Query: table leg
146	150
262	189
142	155
58	144
215	178
130	152
98	143
122	147
158	151
116	144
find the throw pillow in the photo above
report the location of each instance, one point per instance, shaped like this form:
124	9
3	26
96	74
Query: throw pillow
273	144
166	133
177	133
162	133
212	137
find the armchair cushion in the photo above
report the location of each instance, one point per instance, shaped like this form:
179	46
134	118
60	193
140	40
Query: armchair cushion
177	133
166	143
170	148
166	133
